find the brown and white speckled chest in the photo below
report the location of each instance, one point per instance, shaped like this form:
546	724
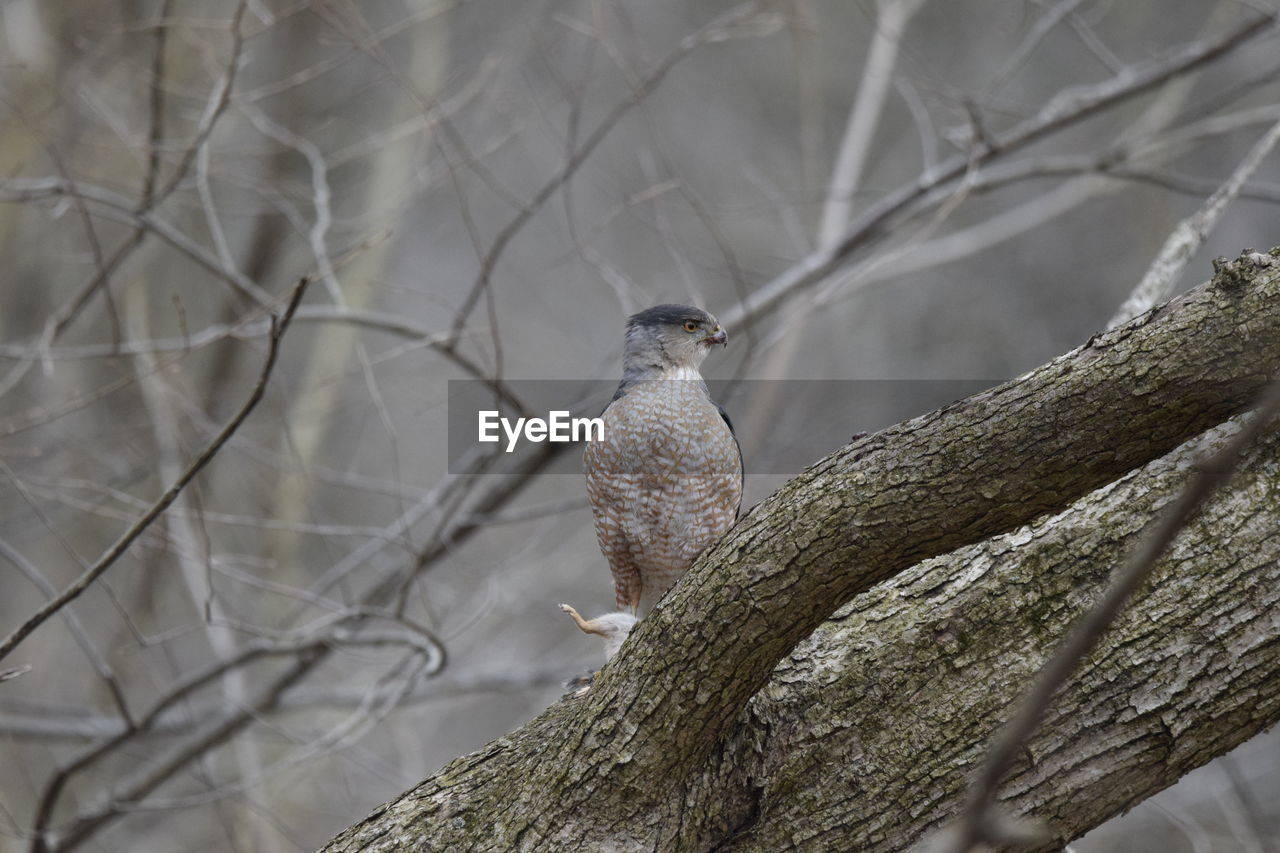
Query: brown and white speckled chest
664	482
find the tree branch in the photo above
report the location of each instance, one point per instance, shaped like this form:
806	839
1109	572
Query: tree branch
662	709
867	736
162	503
1067	108
1207	477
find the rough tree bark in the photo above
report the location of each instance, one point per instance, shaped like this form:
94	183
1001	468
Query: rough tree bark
741	715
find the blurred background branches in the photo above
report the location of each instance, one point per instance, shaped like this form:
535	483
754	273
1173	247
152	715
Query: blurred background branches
330	608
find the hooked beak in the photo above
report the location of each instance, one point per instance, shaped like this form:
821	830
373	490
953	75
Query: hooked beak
719	337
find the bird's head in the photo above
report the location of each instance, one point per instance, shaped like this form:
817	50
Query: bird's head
671	339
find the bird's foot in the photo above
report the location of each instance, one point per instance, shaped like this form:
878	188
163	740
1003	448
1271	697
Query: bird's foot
613	627
583	625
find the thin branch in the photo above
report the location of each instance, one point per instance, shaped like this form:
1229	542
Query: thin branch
14	672
99	663
323	66
156	133
712	31
1189	235
215	107
374	705
222	731
1091	40
313	641
911	257
118	208
1034	37
240	330
1066	109
864	116
74	723
211	450
106	267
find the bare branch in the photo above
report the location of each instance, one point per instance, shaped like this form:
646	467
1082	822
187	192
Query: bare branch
868	106
210	451
1043	26
712	31
118	208
1066	109
1189	235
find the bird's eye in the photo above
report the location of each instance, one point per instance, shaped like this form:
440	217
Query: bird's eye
691	325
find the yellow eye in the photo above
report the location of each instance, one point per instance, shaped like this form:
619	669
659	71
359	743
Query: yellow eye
691	325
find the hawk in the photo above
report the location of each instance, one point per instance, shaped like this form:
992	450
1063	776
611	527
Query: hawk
665	481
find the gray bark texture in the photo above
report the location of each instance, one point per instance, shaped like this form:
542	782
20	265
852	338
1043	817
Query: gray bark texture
828	676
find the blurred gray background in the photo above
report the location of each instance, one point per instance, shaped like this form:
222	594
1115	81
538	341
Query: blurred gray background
484	190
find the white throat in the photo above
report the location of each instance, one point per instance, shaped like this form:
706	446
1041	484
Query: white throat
685	372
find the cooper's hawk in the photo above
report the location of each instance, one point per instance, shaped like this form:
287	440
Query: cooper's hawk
666	479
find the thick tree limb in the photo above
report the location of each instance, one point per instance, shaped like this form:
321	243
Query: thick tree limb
977	825
627	764
867	736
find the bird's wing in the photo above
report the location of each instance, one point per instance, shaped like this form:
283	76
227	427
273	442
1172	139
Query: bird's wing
742	471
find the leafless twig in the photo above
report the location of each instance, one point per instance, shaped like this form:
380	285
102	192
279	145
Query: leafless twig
713	31
1190	233
1066	109
205	456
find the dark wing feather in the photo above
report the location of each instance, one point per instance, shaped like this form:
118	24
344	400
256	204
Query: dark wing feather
742	472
